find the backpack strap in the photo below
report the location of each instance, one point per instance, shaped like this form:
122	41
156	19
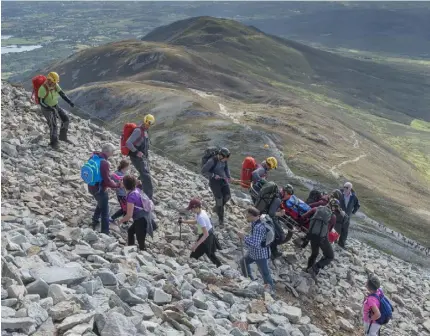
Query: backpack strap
215	159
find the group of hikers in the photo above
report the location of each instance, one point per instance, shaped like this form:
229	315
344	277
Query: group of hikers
323	218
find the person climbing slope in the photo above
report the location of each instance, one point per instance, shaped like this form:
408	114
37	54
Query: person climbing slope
48	94
258	252
121	193
135	144
217	171
259	176
140	208
96	173
322	220
206	242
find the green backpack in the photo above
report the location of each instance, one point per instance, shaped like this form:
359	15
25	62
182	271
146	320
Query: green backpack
266	195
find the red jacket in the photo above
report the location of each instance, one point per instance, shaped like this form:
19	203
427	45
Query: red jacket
105	172
323	201
311	212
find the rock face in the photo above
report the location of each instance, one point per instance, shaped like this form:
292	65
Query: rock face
59	277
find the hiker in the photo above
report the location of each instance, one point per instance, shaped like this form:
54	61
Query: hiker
262	169
48	94
350	204
121	193
268	201
322	220
140	208
137	148
342	224
323	201
98	188
206	242
294	207
258	252
217	171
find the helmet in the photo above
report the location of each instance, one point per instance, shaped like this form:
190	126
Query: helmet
289	189
149	120
334	203
224	152
54	77
272	162
337	194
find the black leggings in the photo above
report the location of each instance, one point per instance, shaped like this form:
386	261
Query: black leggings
221	192
138	228
123	204
208	248
327	250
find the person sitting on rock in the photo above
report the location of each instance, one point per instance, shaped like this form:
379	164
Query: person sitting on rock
322	220
48	95
217	171
138	144
99	190
121	193
371	306
206	242
257	251
140	208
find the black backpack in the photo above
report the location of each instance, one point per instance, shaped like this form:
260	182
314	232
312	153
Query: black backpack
319	223
209	153
267	194
314	196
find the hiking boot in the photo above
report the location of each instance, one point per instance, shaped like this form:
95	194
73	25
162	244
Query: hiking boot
68	141
54	145
313	271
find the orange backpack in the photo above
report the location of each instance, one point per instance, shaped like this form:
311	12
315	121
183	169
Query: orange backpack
248	166
126	132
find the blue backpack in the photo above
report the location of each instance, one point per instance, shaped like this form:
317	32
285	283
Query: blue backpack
90	171
385	308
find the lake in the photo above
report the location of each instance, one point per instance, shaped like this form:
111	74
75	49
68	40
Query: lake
15	48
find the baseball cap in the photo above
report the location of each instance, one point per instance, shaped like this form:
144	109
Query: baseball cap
194	203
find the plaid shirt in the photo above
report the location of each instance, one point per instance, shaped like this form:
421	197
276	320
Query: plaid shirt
253	242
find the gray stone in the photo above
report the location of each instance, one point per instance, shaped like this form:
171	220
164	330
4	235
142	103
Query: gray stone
63	309
16	291
69	274
71	321
127	296
107	277
57	293
46	303
38	287
118	325
46	329
345	324
161	297
292	313
267	327
19	323
92	286
4	294
426	325
9	302
280	331
7	312
36	312
255	318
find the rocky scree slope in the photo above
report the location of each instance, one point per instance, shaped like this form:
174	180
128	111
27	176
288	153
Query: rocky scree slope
59	277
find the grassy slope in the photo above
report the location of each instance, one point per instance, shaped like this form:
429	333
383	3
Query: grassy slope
265	77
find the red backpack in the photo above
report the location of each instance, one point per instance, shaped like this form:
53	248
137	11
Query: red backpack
126	132
38	81
248	166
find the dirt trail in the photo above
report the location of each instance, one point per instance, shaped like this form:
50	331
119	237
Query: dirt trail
336	175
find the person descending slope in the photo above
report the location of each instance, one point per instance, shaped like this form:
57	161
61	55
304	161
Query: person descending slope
48	91
135	144
96	174
215	168
321	223
206	242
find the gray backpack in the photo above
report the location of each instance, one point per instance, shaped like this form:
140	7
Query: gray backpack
270	229
319	223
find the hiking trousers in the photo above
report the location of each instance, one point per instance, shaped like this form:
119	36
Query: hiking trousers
263	267
51	119
327	250
142	166
138	228
102	210
343	231
208	247
221	192
123	210
373	329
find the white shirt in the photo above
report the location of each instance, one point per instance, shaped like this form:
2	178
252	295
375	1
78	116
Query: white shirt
203	221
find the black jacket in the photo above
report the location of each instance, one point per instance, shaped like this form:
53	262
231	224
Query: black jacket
353	204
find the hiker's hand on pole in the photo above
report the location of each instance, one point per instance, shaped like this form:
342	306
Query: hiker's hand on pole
139	154
240	234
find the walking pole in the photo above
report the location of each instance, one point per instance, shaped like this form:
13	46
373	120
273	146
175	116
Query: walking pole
243	256
180	228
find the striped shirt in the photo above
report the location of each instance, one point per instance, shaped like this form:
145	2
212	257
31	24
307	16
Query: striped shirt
255	241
